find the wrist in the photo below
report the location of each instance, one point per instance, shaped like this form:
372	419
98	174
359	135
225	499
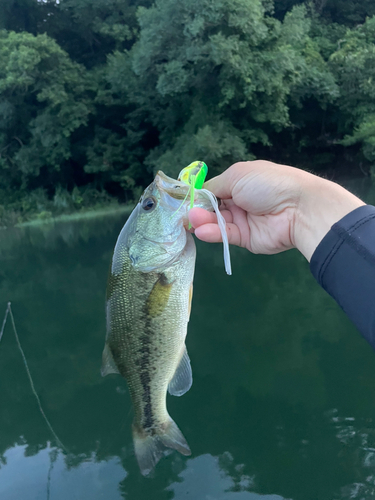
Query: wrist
321	204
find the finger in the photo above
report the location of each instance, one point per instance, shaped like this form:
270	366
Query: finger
199	216
211	233
222	185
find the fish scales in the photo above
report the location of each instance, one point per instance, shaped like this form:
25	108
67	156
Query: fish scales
148	305
148	347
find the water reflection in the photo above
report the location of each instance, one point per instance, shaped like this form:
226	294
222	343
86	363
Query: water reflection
46	475
50	235
271	353
358	434
206	477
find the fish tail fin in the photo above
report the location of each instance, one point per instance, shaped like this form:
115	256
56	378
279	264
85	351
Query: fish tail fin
150	448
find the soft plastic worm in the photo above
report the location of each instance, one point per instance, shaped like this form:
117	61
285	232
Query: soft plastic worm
222	226
195	182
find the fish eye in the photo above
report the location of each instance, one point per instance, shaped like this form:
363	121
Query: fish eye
149	203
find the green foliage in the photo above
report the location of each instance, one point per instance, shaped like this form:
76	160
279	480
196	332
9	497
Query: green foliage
348	12
98	94
354	66
45	99
344	12
93	29
232	72
23	15
37	204
219	144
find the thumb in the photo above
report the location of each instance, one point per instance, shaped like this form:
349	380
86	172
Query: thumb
222	184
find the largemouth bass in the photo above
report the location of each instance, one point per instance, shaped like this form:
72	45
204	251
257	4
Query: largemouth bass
148	306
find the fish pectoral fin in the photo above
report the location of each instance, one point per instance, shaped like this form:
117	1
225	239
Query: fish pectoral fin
108	363
159	296
183	377
190	299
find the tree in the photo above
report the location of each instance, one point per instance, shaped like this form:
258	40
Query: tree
44	98
354	67
213	79
99	94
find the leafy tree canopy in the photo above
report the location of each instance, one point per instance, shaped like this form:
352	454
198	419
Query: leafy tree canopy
95	95
44	99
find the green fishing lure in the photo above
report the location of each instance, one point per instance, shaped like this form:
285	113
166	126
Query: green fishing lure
194	176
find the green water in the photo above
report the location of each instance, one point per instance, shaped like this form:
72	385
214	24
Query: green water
281	407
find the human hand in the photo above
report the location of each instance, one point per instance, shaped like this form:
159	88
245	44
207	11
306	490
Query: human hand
270	208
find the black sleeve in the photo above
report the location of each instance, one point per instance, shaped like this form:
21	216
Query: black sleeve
344	265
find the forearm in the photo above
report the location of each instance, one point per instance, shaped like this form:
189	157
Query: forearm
344	265
321	204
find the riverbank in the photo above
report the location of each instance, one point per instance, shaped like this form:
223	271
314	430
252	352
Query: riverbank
89	213
84	214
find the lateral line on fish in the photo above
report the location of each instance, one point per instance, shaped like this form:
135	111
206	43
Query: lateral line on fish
9	310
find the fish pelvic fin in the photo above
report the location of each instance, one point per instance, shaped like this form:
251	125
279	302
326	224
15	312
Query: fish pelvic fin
108	363
151	447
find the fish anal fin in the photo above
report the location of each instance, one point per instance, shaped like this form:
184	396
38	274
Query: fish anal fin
159	296
183	377
108	363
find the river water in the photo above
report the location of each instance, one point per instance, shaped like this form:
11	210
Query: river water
283	400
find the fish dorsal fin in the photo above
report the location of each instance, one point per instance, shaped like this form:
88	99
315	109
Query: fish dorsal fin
108	363
183	377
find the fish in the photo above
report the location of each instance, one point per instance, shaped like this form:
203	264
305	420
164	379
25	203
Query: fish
148	304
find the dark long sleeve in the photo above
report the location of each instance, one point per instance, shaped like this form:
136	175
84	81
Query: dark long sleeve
344	265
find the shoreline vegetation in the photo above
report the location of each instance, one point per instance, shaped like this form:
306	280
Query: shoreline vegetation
361	186
89	213
96	96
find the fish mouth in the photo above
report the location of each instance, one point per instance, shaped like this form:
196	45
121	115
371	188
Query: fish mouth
176	189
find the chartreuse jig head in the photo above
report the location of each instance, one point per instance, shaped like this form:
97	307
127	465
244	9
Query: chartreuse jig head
194	176
196	171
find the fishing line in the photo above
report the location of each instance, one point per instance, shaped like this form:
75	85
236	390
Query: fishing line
9	310
174	213
5	320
